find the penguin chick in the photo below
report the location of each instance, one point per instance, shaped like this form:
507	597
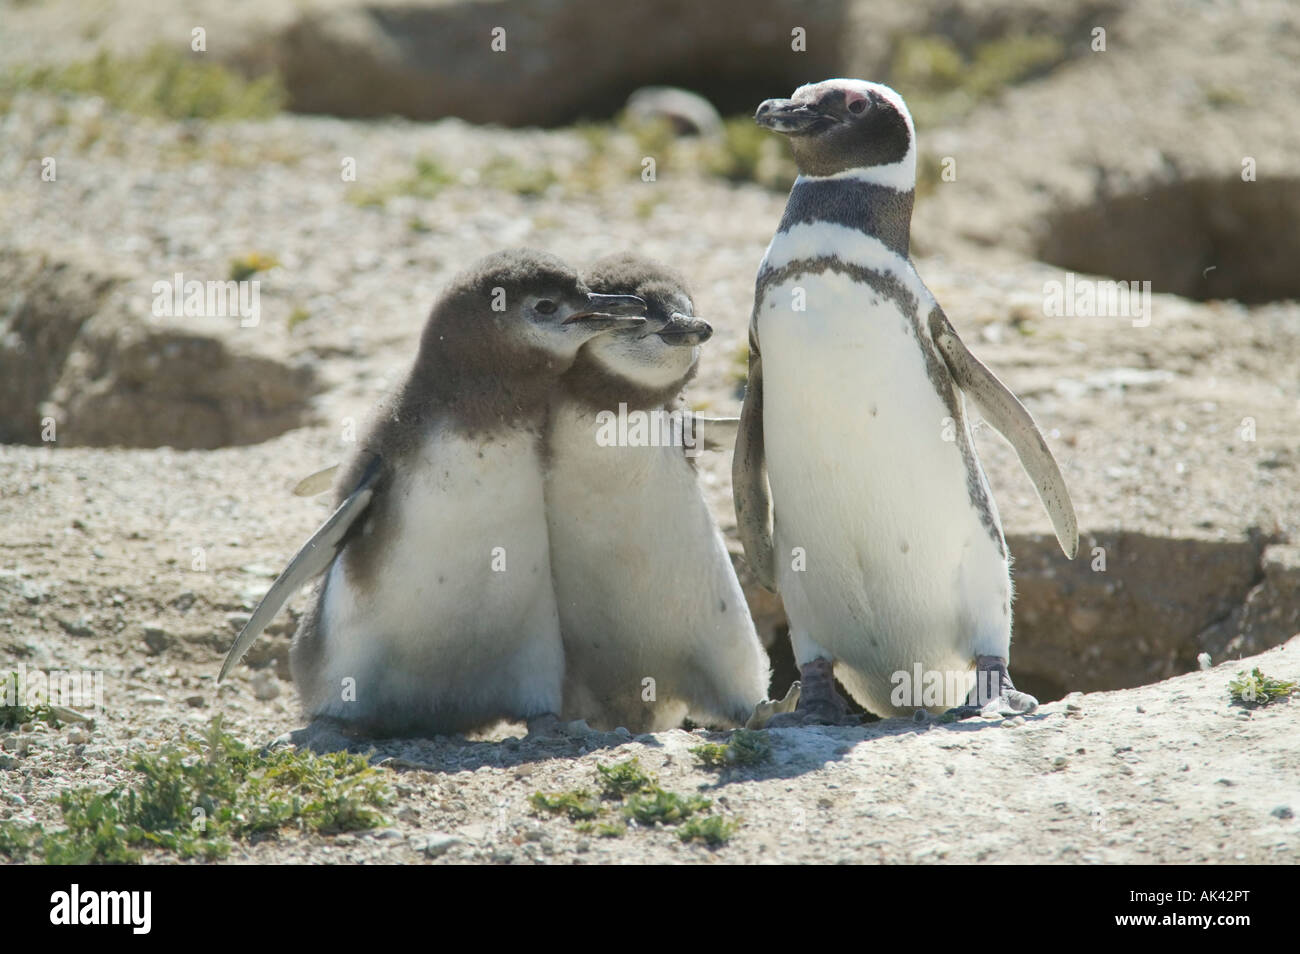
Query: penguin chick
436	613
654	622
857	487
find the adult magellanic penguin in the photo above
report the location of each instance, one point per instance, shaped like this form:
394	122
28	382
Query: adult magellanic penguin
858	491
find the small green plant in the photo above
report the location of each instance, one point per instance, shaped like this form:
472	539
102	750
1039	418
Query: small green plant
749	153
941	83
297	317
510	175
246	266
12	716
658	806
623	778
713	830
744	748
643	803
196	797
428	178
616	829
18	840
576	805
162	82
1258	689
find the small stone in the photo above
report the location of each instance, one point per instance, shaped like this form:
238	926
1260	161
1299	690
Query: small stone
78	736
156	638
685	112
196	702
151	701
1141	710
1283	811
237	621
265	686
438	844
81	626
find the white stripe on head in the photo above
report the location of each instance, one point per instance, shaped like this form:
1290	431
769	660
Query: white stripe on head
900	175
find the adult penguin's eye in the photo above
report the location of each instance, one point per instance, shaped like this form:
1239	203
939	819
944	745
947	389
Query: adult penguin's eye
857	106
545	306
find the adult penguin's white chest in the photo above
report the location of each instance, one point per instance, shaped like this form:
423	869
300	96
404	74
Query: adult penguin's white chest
883	556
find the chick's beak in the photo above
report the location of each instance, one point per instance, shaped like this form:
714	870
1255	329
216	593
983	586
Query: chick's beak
609	312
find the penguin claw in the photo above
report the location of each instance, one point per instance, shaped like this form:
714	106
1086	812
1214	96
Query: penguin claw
1009	701
819	701
322	736
769	709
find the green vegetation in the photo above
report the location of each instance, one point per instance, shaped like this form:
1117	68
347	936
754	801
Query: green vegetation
297	317
744	748
197	797
1258	689
658	806
12	716
165	81
642	802
624	778
941	83
577	805
750	153
17	841
510	175
713	830
246	266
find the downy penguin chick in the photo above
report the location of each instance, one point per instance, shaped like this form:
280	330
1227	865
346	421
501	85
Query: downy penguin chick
437	611
654	622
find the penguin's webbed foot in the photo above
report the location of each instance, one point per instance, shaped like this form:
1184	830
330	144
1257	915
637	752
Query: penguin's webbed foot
322	736
819	701
550	726
994	692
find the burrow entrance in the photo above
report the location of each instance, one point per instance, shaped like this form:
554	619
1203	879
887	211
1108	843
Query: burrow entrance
1201	238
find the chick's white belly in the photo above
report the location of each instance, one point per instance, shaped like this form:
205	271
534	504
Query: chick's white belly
461	607
899	568
644	585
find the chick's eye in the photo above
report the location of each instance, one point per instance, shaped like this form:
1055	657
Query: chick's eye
545	306
857	106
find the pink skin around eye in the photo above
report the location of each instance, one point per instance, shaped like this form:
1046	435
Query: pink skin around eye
852	96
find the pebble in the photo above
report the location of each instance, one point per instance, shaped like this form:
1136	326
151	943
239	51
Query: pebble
1283	811
156	637
265	686
78	736
196	702
437	844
